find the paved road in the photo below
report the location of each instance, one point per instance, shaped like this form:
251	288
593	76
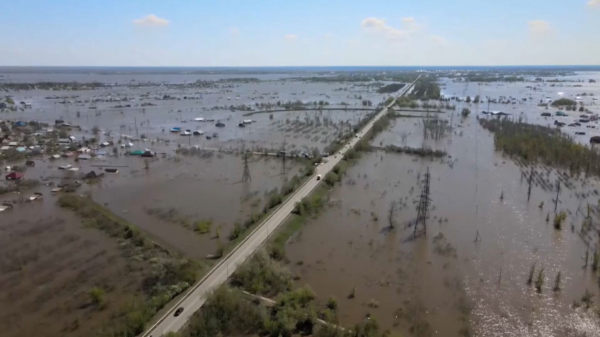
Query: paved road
221	272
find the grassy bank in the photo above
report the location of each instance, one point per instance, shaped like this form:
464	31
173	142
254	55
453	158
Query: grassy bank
539	144
164	273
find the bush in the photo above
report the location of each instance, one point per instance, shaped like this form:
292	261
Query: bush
558	220
274	200
97	296
203	226
332	304
564	102
262	275
465	112
226	314
236	231
331	178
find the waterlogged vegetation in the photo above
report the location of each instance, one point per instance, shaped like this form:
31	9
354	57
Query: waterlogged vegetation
359	260
164	273
426	88
391	88
291	312
541	144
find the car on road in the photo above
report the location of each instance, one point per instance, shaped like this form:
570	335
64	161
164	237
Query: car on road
178	311
318	177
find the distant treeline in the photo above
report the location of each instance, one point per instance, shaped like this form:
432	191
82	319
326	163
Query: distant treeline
478	78
52	86
390	88
361	77
541	144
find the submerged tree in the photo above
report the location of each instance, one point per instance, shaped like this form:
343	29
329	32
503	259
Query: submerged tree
531	273
539	282
557	282
392	213
558	220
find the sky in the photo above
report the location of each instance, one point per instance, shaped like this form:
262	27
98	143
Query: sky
299	32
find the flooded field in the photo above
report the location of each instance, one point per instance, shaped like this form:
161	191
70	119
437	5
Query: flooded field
173	195
49	266
167	156
523	99
144	106
469	273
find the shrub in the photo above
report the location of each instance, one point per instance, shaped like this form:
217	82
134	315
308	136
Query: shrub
97	296
558	220
203	226
262	275
236	231
564	102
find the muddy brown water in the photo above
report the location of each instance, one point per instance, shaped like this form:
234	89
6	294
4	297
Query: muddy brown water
442	285
48	263
198	188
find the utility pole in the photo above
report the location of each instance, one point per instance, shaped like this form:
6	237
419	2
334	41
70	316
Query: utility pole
424	202
136	128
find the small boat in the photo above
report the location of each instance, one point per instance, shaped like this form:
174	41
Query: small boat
198	133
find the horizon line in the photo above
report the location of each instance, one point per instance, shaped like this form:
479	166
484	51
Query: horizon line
298	66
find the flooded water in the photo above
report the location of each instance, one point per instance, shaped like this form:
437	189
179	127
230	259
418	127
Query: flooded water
467	276
470	271
197	189
48	264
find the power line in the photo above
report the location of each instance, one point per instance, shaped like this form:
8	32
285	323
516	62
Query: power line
424	203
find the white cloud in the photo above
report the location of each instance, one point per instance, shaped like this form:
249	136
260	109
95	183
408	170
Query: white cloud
411	24
438	40
291	37
594	3
234	31
539	28
380	26
151	20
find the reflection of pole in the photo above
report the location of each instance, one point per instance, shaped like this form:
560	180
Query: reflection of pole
529	188
246	176
283	154
557	192
423	207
